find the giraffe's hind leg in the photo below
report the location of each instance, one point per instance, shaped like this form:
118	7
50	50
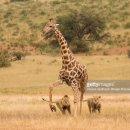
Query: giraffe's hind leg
75	109
81	99
82	90
76	99
55	84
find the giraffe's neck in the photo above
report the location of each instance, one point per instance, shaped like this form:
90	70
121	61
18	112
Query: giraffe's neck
67	55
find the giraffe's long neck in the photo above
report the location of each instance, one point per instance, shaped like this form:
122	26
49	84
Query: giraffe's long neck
67	55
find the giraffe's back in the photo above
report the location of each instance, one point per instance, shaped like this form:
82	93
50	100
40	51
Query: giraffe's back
73	75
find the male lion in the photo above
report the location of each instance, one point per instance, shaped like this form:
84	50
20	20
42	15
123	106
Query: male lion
63	104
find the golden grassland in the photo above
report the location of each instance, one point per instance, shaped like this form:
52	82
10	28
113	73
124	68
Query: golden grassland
23	85
30	113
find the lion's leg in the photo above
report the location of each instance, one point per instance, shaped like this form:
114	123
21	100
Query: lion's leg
60	108
89	107
69	110
55	84
99	109
93	110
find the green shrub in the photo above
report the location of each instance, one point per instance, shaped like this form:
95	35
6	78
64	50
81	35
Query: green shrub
7	14
11	25
4	58
128	53
81	28
114	25
128	41
109	42
79	46
48	47
18	55
56	2
127	25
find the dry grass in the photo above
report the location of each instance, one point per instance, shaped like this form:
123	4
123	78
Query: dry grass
30	113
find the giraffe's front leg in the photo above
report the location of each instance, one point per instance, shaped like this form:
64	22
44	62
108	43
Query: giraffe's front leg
55	84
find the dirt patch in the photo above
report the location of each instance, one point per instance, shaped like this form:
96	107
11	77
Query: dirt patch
27	49
112	51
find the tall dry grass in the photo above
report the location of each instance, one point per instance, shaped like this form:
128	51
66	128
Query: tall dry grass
30	113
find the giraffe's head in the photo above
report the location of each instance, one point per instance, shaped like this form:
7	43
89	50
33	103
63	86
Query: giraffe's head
49	27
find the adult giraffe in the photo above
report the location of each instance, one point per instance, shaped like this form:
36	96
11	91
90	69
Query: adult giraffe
72	72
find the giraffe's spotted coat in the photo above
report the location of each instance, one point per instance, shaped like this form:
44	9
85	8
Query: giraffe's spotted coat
72	71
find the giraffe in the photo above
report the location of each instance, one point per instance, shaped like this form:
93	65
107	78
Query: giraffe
72	72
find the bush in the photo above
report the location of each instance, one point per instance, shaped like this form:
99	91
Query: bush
18	55
79	46
81	28
109	42
56	2
114	25
52	47
127	25
128	53
4	58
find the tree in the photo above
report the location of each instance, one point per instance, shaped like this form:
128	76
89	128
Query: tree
80	29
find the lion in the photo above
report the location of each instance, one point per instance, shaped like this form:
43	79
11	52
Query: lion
94	104
63	104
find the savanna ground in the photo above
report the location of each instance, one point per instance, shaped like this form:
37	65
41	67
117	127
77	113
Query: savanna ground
24	84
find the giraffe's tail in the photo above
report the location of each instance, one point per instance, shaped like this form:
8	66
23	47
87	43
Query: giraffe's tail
48	101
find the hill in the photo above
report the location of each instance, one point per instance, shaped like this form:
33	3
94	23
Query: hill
21	21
